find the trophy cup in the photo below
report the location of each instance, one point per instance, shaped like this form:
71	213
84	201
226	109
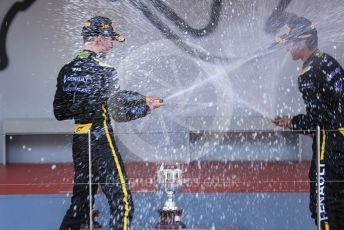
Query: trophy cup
170	179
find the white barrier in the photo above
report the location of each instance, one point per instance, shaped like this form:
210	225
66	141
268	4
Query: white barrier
33	127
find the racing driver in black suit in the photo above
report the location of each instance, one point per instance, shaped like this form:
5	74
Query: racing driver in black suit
84	87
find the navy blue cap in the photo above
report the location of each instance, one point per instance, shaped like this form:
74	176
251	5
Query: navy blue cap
100	26
296	29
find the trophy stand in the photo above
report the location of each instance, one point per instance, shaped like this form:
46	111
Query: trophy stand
170	180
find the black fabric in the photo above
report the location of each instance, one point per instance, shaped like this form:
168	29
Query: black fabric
84	85
127	106
334	180
321	85
83	88
104	172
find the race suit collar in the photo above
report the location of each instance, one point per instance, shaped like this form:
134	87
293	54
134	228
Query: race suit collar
315	53
90	53
86	54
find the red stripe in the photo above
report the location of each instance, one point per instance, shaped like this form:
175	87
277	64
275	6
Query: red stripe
208	176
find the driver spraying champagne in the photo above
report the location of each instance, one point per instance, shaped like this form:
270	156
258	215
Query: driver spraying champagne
321	83
85	88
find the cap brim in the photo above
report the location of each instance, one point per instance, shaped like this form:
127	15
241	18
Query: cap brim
118	37
281	39
295	37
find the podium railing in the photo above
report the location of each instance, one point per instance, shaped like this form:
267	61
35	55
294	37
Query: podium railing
204	172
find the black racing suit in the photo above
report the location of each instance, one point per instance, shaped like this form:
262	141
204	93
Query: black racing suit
321	84
83	89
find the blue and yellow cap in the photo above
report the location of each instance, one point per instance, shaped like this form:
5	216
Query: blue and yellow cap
101	26
296	29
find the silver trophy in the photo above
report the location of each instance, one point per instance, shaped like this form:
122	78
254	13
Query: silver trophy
170	180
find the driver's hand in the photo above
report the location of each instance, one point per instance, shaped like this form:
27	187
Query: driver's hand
284	122
154	102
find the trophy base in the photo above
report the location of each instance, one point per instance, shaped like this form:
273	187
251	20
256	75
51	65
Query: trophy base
170	219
